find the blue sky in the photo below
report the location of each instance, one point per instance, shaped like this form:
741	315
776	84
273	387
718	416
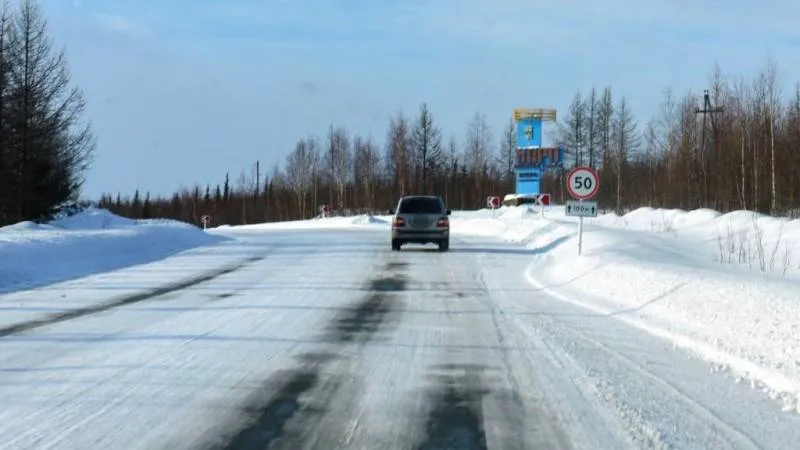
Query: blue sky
179	91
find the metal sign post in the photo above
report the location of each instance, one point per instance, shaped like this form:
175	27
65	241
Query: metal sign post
582	184
580	230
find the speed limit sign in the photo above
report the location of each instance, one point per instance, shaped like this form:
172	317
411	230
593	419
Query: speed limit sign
582	183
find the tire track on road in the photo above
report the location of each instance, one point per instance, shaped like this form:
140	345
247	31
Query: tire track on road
456	420
484	405
289	412
125	300
470	409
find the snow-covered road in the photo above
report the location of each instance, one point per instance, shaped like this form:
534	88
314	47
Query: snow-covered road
333	341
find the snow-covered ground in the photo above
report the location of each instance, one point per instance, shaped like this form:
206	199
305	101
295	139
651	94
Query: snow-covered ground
316	223
90	242
726	286
578	340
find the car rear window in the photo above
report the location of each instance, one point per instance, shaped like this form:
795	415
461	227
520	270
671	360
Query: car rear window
421	205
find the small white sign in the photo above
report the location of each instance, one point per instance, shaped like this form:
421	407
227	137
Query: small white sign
581	209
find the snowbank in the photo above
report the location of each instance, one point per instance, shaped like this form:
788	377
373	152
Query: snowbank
725	286
369	220
512	223
321	223
89	242
742	239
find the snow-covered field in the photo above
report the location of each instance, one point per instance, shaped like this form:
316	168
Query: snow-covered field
586	330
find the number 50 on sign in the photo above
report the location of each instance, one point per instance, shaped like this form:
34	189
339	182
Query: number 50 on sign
582	183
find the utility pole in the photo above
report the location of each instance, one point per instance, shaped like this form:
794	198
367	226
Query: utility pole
709	110
258	178
257	183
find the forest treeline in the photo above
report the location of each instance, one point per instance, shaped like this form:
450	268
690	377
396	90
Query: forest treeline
45	148
745	156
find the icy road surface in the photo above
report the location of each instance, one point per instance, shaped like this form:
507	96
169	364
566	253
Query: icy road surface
333	341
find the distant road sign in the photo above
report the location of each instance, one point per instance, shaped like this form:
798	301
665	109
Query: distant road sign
543	199
581	208
493	202
583	183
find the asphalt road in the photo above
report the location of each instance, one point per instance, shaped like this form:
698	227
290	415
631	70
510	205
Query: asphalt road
328	339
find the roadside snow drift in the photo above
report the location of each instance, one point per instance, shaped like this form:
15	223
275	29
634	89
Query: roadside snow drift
726	286
89	242
363	220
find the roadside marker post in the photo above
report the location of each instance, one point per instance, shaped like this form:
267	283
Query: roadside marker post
493	203
325	210
582	184
543	200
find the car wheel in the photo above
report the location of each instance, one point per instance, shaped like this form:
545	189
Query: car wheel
444	246
396	245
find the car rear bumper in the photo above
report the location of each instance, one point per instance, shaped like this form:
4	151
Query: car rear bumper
412	235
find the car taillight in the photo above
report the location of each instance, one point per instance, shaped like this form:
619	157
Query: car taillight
443	222
399	222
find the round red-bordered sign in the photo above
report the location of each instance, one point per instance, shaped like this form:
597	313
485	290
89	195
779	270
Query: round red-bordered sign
583	183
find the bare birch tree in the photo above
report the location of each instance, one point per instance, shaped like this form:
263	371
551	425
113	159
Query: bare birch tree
427	142
591	109
367	169
508	150
399	153
339	161
772	109
478	148
572	130
626	140
605	117
300	172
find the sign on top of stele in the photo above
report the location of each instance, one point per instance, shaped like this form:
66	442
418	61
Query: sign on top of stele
548	114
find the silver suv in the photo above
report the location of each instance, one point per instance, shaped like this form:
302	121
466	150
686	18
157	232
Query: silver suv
421	219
